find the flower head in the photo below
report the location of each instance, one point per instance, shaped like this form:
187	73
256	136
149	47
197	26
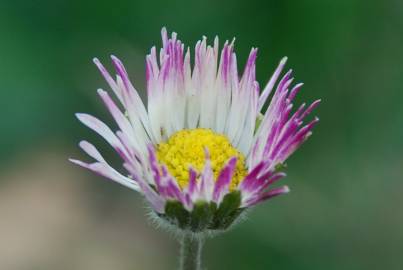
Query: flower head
202	151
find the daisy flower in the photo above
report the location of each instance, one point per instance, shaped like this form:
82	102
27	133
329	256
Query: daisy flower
209	144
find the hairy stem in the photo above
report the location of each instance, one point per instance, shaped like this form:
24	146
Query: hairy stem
190	256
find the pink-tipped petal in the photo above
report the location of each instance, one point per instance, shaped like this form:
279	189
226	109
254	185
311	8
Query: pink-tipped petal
269	87
224	180
116	89
247	184
267	195
192	187
156	201
107	171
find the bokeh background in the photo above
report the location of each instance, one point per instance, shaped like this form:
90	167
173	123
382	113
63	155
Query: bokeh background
345	208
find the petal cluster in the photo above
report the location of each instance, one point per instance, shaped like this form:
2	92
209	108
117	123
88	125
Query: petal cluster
208	94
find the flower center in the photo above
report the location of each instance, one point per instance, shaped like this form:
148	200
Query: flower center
186	147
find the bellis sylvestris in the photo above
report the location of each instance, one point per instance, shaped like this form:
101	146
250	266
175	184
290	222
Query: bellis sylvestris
203	149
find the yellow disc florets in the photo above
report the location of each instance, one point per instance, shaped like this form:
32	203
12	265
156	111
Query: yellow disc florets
186	148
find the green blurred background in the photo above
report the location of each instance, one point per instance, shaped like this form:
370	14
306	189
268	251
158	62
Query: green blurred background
345	208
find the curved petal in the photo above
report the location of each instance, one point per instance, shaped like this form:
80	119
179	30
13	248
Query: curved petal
101	167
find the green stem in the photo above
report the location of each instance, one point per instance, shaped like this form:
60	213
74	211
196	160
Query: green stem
190	257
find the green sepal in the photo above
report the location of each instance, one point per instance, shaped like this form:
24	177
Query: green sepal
177	214
202	215
231	218
228	211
